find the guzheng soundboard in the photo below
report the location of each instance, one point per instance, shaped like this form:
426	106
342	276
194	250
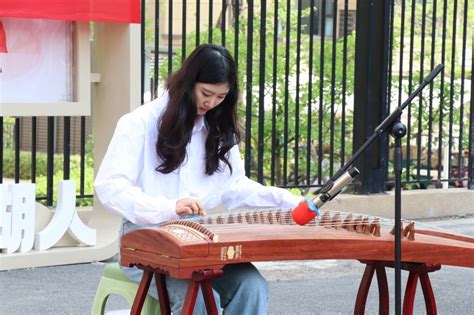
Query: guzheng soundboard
179	248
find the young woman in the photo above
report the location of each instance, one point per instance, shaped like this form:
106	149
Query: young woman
178	156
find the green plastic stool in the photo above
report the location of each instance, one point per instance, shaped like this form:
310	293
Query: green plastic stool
113	281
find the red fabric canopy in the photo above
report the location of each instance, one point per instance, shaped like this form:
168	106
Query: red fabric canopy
122	11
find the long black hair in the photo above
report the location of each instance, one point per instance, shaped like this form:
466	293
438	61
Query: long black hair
206	64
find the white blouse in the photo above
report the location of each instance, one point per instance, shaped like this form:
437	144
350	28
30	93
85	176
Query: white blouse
128	184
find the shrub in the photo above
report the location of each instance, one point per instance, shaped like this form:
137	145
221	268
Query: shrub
58	174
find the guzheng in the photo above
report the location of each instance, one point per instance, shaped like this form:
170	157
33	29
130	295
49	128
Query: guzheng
179	248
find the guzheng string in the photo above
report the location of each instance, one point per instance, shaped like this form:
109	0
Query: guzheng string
279	216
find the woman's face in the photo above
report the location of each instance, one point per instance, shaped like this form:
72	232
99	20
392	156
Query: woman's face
208	95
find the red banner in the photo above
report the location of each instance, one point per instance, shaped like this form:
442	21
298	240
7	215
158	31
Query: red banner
121	11
3	39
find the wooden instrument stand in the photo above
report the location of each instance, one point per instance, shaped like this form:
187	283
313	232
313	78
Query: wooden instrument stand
204	278
201	279
417	270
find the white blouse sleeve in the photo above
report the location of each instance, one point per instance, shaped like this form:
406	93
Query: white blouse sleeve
241	191
115	182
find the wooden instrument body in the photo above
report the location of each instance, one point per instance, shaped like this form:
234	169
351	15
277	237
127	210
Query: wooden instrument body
179	251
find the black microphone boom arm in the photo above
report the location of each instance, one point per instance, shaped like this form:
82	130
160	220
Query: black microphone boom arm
385	125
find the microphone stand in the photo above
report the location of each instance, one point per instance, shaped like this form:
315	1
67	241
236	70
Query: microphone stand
397	129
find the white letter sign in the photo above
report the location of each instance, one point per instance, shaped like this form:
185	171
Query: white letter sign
65	218
17	217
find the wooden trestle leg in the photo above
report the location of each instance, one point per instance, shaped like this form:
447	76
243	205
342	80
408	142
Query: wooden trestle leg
163	298
417	271
365	286
420	271
202	278
141	292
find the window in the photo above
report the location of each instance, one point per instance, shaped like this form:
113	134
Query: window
328	18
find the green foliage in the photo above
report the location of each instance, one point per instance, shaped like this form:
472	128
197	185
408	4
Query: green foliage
41	171
75	175
443	104
25	164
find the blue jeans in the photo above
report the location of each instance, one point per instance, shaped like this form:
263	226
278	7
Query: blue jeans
241	290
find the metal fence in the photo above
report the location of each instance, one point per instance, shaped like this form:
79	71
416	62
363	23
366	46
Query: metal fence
314	74
38	150
302	66
439	141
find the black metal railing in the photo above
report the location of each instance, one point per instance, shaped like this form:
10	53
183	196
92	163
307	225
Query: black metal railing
296	62
296	66
426	33
32	151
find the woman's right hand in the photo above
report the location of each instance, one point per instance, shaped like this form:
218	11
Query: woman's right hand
189	206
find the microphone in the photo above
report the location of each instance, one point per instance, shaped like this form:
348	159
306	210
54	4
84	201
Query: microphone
307	209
